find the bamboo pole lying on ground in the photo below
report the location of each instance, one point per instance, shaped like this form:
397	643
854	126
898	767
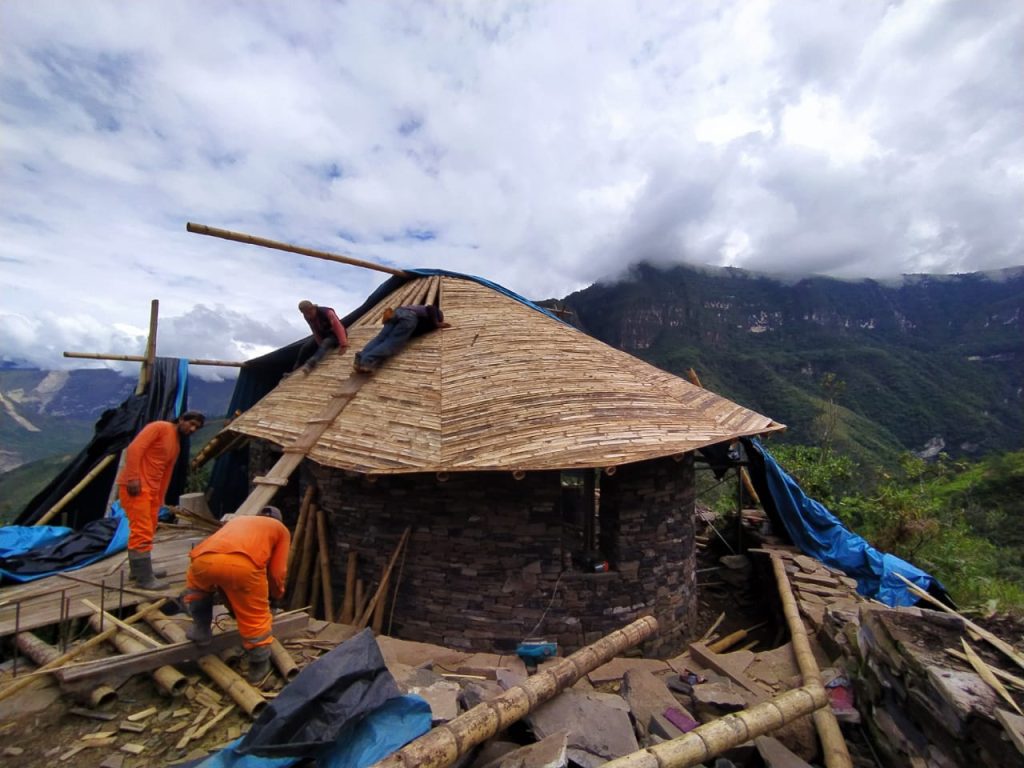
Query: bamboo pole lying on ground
730	640
283	661
706	741
20	683
833	745
168	679
229	681
443	745
43	653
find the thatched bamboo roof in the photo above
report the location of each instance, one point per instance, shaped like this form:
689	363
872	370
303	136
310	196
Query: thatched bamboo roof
507	387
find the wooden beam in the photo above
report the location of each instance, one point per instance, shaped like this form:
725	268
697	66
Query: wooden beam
285	625
240	237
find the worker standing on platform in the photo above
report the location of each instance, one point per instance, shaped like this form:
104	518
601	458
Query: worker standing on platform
247	561
143	482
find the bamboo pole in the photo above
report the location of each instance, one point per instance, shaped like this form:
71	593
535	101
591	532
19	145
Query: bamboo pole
169	680
128	629
283	661
997	642
325	565
305	564
348	606
42	653
365	616
68	497
20	684
314	590
833	745
142	359
985	671
202	229
360	599
443	745
731	639
706	741
377	622
229	681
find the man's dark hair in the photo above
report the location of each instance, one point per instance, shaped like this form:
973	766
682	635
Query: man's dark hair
191	416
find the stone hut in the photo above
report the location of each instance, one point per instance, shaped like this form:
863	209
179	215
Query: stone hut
546	479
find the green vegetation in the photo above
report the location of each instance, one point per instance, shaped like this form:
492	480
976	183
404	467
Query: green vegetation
18	486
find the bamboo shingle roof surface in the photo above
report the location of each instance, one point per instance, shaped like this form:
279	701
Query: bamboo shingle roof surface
506	387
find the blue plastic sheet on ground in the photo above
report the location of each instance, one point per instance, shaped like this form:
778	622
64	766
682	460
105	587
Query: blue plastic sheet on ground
67	552
375	736
19	539
819	534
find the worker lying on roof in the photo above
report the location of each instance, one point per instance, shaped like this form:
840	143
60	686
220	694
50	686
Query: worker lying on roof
400	325
246	560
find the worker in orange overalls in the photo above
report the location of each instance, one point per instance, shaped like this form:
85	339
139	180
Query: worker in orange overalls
149	464
247	561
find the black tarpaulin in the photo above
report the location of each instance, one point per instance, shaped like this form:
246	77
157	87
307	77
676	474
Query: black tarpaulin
166	396
332	693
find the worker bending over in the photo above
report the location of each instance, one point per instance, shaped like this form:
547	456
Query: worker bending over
142	485
246	560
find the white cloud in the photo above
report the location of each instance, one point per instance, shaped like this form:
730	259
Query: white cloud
541	145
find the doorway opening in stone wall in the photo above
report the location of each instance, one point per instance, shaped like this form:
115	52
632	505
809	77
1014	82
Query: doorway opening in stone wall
585	531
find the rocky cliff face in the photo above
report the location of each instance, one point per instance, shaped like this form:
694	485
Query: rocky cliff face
929	358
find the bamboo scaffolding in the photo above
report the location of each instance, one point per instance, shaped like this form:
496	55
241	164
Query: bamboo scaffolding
833	745
325	565
382	588
706	741
202	229
443	745
142	359
20	683
43	653
234	685
168	679
68	497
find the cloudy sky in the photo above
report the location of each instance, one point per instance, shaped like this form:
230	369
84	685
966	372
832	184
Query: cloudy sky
544	145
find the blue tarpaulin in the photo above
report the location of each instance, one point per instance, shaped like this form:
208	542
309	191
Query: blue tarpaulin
60	549
821	535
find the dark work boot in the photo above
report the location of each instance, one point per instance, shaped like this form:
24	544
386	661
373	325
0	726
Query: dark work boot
140	566
259	663
201	611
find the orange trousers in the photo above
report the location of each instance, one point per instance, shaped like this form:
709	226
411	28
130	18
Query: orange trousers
142	512
245	587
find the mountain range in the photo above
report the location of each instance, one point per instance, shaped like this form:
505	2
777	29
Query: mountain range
926	363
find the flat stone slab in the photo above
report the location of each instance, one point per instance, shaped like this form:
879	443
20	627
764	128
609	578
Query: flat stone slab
617	668
598	724
549	752
418	654
442	695
648	697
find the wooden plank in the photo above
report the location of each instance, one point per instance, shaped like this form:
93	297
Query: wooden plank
280	482
285	625
723	665
1014	727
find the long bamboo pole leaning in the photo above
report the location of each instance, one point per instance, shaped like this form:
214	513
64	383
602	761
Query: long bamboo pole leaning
229	681
382	588
443	745
993	640
68	497
347	614
706	741
304	564
325	564
300	525
20	683
833	745
240	237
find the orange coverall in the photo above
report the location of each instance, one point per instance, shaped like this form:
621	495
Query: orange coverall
247	560
149	459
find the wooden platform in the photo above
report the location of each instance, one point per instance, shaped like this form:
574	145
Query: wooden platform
40	600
